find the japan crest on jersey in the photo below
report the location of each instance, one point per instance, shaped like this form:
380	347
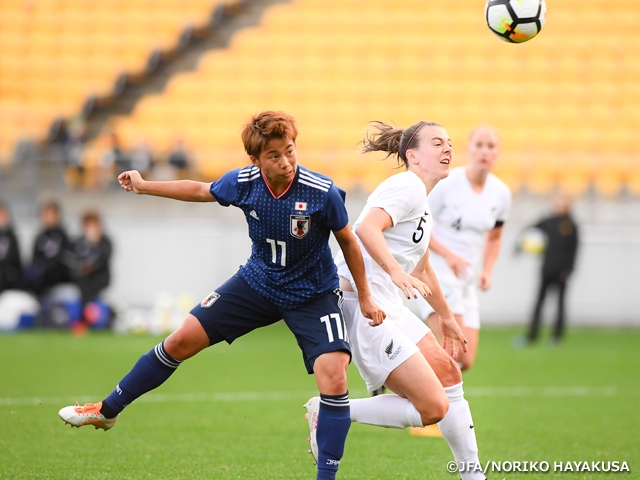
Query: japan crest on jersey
300	225
210	300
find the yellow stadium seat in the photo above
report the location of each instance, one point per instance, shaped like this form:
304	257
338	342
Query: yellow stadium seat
633	175
611	173
576	172
543	173
336	64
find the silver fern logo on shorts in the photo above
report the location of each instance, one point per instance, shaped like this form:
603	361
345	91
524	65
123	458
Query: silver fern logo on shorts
389	350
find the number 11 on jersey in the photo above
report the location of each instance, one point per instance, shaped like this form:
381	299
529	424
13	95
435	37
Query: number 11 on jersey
341	328
274	251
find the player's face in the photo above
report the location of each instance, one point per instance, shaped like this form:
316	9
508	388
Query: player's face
278	161
483	149
434	156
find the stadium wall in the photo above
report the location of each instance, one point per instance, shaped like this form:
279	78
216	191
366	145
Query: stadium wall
166	249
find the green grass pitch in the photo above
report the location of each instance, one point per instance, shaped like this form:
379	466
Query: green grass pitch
236	412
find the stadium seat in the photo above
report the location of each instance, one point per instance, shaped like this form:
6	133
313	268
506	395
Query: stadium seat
337	71
611	173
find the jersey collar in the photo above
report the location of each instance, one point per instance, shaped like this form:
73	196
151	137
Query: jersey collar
293	180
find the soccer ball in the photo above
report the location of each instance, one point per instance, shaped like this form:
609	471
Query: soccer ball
532	241
515	21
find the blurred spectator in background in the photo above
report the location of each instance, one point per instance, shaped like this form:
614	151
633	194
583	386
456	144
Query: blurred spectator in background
10	261
49	264
91	260
561	246
113	161
66	138
141	157
180	158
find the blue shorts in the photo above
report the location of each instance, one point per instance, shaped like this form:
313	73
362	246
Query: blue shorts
236	309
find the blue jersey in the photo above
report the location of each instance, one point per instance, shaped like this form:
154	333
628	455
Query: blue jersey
291	262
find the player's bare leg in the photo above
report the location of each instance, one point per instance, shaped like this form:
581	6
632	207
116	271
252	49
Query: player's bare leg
412	381
457	426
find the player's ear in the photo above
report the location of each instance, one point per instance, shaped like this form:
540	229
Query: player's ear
255	161
410	154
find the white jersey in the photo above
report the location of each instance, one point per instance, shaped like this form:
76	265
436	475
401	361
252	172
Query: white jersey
404	198
463	217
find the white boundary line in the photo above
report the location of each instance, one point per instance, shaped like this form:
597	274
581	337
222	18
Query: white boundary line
289	395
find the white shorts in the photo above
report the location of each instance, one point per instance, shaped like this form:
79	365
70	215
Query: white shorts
377	351
460	293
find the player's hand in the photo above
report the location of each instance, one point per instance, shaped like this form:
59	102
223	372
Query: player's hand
484	281
458	265
130	180
452	336
370	309
410	285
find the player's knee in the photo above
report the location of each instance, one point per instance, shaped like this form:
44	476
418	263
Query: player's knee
447	370
465	364
187	340
330	370
435	409
182	347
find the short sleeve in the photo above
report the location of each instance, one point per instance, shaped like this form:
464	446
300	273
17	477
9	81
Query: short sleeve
225	189
397	197
335	210
505	204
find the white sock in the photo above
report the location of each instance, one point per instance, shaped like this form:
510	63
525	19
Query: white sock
389	411
458	430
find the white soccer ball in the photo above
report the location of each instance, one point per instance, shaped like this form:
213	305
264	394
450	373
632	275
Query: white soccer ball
515	21
532	241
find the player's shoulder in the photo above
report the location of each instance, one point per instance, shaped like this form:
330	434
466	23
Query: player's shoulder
404	188
498	185
406	179
245	174
314	179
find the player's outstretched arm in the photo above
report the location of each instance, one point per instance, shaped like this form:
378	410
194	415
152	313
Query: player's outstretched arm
353	256
185	190
453	337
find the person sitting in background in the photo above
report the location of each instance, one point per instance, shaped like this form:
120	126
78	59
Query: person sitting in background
49	264
142	157
10	261
91	260
180	158
113	160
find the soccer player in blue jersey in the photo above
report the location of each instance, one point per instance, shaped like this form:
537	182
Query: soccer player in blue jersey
290	275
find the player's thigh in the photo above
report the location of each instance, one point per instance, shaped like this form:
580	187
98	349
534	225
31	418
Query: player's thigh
415	380
319	328
233	310
377	351
444	367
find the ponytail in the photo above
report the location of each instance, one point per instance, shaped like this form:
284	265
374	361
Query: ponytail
382	137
